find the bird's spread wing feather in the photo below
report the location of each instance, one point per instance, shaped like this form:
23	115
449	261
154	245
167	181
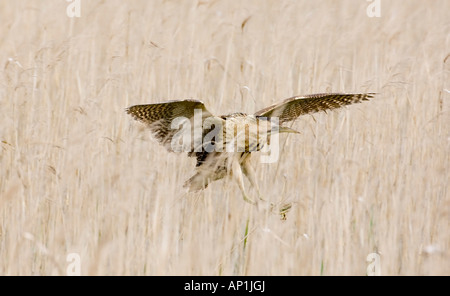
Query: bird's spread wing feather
160	118
294	107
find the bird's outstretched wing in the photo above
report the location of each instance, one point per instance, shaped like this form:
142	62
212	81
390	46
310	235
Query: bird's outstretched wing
294	107
163	119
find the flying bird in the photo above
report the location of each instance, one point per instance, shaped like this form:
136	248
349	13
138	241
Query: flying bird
222	145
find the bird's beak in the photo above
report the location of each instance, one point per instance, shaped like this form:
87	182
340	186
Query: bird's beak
284	129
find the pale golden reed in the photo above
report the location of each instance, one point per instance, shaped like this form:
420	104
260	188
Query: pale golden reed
78	176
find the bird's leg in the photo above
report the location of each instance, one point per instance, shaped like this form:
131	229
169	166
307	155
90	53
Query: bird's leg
237	174
249	172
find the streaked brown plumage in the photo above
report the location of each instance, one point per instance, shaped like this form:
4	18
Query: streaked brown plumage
214	164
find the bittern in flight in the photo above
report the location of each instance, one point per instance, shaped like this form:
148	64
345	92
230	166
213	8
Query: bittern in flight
223	144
